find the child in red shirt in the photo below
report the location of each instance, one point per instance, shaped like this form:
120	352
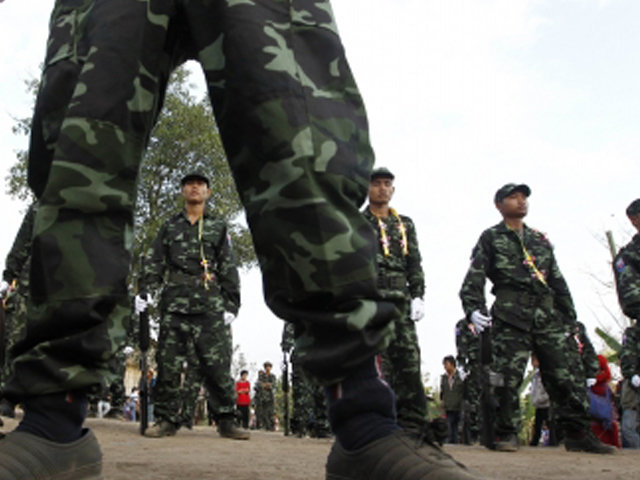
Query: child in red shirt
243	389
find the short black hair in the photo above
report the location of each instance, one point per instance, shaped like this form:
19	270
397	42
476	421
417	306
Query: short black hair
634	208
450	359
243	372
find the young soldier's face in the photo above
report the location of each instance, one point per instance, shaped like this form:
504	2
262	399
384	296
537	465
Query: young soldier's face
514	205
195	191
380	191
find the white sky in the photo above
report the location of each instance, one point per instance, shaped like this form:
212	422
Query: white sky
463	96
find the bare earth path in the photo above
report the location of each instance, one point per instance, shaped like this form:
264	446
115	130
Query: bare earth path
202	454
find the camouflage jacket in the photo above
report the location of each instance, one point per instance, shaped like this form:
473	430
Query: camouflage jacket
626	269
175	265
467	344
630	352
397	263
18	259
499	256
265	386
583	359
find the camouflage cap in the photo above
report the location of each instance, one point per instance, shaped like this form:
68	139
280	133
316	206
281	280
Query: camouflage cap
382	172
508	189
634	208
195	175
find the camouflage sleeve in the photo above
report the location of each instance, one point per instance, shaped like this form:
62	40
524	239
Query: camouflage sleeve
156	261
288	340
629	352
562	296
415	274
589	355
21	248
227	273
627	285
472	291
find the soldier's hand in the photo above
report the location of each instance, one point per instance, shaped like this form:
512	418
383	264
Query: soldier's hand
480	321
141	303
417	309
591	382
462	373
635	381
229	318
4	286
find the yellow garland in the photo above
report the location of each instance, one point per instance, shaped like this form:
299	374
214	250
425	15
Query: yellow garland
206	275
384	239
530	262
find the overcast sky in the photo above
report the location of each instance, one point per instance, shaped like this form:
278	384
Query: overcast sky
462	97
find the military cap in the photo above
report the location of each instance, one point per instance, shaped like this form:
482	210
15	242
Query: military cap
509	188
195	175
634	208
382	172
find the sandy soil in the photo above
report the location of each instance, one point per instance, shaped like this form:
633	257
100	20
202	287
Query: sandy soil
202	454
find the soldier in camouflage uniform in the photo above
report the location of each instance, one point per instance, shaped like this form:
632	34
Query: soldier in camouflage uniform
626	269
468	359
309	403
295	131
192	263
265	398
400	268
14	290
532	309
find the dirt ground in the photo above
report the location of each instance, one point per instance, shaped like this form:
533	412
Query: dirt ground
201	454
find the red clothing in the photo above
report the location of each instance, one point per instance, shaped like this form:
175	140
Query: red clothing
243	389
607	432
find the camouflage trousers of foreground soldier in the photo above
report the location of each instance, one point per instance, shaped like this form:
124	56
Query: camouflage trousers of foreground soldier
512	348
309	405
211	343
295	132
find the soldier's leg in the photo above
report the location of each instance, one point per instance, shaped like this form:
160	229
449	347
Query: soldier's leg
404	357
551	349
171	354
511	351
190	386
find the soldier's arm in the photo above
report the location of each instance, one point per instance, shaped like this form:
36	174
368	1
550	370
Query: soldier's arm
156	261
472	291
227	273
562	296
21	248
415	274
629	352
627	276
461	343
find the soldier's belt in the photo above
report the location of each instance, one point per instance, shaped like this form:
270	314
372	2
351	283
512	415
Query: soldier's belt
392	282
525	299
185	278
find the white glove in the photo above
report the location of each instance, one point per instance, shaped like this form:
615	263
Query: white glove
141	304
591	382
635	381
128	350
4	286
229	318
462	373
417	309
480	321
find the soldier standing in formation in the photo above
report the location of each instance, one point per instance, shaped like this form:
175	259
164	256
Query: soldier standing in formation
400	268
192	263
532	309
14	289
468	358
309	403
265	398
626	269
295	131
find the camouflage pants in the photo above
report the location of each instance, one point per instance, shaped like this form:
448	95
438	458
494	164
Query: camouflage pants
211	344
512	348
265	412
309	404
15	317
472	396
401	366
295	131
